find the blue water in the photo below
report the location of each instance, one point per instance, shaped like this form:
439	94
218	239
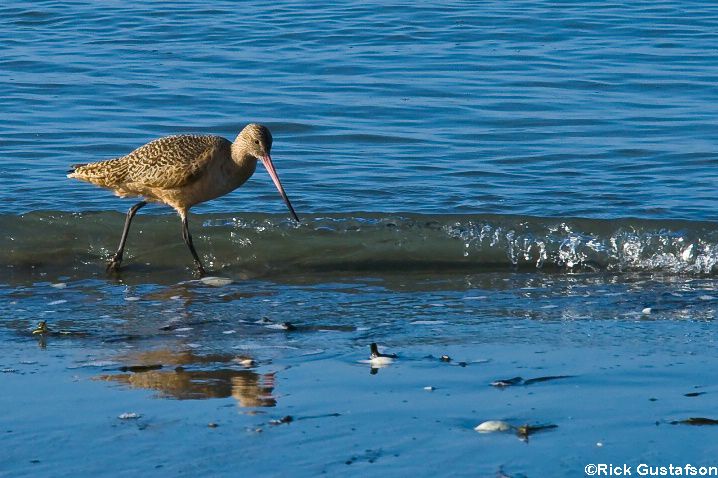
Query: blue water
569	109
527	187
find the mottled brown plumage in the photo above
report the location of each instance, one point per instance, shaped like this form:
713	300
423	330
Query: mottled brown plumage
166	162
182	171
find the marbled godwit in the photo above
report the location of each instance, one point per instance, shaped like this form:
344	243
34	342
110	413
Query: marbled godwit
182	171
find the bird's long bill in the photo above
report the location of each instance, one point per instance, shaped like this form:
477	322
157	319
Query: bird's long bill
267	161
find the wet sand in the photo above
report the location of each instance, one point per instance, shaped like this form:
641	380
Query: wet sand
210	382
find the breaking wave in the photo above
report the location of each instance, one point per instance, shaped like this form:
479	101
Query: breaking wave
267	244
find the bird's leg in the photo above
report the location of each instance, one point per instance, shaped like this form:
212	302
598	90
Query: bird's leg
114	263
188	240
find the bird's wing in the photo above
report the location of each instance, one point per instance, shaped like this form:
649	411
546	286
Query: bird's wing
173	161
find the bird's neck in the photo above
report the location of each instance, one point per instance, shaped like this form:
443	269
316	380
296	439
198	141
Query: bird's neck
241	158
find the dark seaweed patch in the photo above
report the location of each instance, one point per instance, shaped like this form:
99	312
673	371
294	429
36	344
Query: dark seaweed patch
697	421
546	379
520	381
140	368
524	431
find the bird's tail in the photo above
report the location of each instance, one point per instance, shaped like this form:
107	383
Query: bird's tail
102	173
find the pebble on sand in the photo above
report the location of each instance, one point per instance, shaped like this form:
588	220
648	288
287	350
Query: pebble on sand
280	421
41	328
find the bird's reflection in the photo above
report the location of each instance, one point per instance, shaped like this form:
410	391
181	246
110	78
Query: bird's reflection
180	377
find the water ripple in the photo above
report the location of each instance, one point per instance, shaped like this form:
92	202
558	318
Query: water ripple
518	108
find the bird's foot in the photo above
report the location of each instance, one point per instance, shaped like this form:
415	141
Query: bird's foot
114	264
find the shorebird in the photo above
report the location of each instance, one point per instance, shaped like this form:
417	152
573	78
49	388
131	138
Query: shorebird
182	171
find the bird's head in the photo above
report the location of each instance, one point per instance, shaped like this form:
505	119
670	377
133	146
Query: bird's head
256	140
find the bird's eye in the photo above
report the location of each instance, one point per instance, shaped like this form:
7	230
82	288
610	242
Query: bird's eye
256	141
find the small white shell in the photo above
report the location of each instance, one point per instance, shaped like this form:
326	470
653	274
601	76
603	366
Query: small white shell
646	311
216	281
492	426
381	361
129	416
